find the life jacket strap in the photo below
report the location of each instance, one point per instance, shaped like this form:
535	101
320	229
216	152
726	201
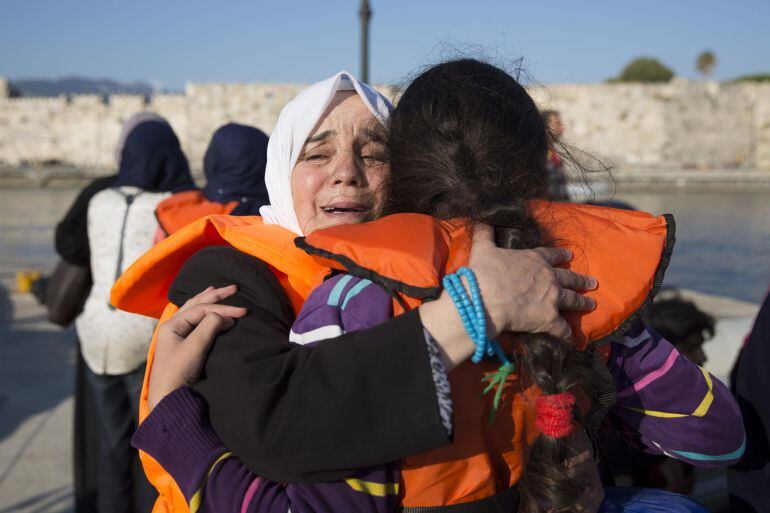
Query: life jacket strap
505	501
607	392
129	199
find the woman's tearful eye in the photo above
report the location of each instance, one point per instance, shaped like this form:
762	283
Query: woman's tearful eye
316	157
372	159
373	156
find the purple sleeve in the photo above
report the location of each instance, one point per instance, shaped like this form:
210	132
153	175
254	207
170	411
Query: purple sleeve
178	435
677	408
340	305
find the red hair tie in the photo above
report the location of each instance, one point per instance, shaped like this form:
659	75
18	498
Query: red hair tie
554	414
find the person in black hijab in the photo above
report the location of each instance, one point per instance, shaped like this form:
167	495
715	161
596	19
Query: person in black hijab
234	166
150	160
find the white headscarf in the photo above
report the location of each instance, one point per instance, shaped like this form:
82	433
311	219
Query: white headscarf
294	125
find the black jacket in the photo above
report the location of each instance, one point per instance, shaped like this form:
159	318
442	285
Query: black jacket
296	413
72	232
748	479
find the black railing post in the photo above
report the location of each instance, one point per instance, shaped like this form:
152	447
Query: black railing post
365	13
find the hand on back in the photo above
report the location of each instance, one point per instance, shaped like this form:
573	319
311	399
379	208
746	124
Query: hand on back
522	290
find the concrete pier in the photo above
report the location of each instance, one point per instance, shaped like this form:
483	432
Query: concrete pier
36	383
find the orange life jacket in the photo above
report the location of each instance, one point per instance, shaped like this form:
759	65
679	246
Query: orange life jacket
182	208
408	254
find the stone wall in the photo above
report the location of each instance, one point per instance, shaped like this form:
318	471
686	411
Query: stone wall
681	124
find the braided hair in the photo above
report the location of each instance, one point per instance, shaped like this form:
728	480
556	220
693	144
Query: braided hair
467	141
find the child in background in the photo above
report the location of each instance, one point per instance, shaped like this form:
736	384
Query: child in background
683	324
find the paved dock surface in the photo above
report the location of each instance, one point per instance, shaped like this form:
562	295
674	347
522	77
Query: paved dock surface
36	365
36	384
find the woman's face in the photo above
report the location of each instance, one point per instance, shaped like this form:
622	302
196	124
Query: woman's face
339	175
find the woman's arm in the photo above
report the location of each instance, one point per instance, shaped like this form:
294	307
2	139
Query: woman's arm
293	413
296	413
178	435
677	408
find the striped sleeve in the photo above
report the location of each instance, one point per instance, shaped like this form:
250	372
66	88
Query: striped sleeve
178	435
340	305
677	408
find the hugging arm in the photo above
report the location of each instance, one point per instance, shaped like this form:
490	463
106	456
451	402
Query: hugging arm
296	413
676	407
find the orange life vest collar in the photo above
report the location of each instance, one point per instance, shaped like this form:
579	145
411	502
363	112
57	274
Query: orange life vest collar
182	208
408	255
143	287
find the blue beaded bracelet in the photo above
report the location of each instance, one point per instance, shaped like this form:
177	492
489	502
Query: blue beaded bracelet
473	316
472	313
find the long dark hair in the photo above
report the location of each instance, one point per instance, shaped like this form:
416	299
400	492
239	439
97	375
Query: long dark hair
467	141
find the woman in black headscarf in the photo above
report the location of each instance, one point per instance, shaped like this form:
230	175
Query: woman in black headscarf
110	224
234	166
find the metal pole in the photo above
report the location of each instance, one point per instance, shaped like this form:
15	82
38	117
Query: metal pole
365	13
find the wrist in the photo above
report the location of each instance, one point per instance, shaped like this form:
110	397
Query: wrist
157	392
443	322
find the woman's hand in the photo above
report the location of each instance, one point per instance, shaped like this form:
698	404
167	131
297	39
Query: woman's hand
522	290
184	340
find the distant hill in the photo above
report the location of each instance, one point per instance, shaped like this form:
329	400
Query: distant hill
77	85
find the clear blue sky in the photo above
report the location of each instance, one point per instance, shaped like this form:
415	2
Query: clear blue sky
173	41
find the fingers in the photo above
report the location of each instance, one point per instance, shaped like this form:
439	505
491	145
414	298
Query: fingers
575	281
196	299
179	360
210	295
560	329
204	334
185	321
196	314
554	256
571	300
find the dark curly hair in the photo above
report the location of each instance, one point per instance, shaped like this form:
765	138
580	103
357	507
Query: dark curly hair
467	141
675	318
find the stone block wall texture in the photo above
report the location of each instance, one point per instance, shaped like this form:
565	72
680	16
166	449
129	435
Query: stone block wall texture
681	124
